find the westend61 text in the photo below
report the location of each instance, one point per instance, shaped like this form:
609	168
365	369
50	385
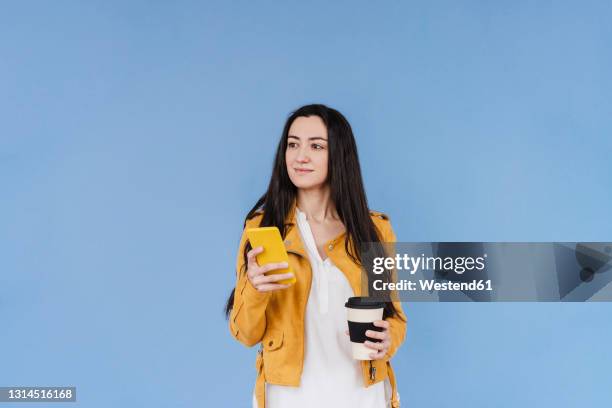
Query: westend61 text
431	284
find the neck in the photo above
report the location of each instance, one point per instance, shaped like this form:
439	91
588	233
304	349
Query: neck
317	204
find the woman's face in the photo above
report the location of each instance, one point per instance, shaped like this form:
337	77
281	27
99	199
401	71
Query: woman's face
307	152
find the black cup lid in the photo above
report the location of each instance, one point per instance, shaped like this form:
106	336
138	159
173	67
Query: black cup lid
358	302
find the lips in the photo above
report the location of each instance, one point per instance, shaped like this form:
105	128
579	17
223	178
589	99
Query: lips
303	171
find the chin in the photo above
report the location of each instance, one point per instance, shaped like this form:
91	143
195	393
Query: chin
305	185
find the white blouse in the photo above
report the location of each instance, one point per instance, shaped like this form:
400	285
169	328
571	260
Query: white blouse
331	377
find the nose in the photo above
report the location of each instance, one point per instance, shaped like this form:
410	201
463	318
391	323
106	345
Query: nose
302	156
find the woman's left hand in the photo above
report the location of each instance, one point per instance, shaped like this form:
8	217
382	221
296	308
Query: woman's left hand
381	348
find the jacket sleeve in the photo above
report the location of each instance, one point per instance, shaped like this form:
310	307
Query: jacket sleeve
247	319
397	323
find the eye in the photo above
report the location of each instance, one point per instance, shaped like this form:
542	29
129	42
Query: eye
317	146
291	145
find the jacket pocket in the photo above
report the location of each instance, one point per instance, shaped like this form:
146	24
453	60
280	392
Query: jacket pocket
273	340
274	356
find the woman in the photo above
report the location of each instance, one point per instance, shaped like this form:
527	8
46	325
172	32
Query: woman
317	200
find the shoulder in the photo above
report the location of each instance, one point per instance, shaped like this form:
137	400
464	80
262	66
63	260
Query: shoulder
254	220
379	215
251	222
383	224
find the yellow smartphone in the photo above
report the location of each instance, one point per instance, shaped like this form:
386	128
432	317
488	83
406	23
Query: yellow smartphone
274	250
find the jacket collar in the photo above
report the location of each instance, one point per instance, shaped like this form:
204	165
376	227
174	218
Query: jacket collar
293	240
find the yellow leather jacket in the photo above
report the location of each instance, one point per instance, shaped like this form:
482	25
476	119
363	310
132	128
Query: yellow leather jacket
276	319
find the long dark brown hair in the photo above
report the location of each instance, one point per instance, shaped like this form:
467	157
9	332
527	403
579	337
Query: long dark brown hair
346	188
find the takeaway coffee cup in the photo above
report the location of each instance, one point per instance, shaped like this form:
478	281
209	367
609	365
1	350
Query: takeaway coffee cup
362	313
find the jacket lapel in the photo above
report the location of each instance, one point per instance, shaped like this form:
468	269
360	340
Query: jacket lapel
293	244
293	241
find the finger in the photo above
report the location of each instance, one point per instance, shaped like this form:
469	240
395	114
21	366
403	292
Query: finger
273	278
274	265
268	287
382	323
251	261
374	346
255	271
346	332
376	335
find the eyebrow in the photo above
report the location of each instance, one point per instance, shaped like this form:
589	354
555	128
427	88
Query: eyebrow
310	138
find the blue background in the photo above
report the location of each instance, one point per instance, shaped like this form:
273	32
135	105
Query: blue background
134	136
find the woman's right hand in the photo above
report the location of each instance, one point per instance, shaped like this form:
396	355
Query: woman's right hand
257	277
